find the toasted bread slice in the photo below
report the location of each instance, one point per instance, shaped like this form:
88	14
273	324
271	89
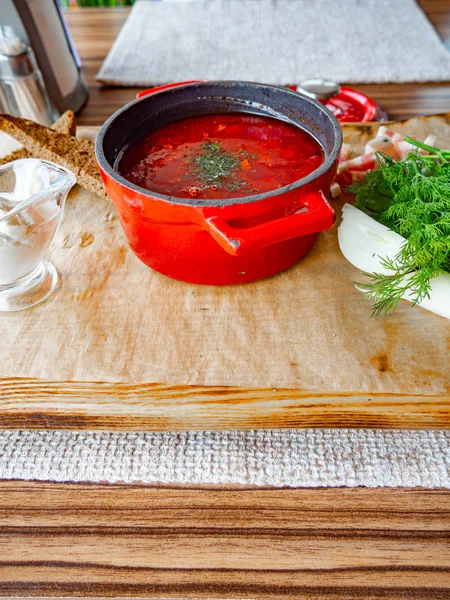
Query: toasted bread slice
65	124
68	151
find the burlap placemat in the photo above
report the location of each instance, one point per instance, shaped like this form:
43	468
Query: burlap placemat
276	41
294	458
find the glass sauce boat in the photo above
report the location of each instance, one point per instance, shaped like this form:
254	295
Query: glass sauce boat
32	197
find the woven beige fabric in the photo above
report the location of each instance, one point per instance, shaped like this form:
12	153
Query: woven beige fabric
277	41
294	458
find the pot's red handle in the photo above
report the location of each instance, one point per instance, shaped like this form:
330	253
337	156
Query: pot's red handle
165	87
236	240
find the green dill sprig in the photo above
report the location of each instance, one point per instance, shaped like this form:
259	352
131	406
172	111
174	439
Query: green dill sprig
411	197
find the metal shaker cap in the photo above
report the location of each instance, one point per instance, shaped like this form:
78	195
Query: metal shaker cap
13	67
16	59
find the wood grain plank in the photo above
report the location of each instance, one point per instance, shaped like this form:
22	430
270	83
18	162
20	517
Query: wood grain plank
36	404
233	542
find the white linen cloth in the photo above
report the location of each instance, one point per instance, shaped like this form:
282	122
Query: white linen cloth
276	41
293	458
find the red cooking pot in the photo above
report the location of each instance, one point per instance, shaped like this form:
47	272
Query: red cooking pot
227	241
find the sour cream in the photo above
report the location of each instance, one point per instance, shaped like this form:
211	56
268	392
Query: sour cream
28	219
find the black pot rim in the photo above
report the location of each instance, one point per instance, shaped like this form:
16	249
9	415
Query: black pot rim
324	167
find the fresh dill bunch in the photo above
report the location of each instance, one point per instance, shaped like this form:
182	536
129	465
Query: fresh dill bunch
411	197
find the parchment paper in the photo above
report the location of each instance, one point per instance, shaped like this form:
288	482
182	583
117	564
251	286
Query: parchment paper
113	319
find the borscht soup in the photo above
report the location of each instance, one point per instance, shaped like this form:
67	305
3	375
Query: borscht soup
220	156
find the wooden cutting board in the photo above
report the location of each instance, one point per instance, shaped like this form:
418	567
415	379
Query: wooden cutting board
122	347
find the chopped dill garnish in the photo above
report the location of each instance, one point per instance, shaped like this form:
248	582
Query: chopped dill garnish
236	185
214	163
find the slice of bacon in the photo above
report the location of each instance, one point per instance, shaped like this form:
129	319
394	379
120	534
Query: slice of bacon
365	162
384	144
344	154
386	141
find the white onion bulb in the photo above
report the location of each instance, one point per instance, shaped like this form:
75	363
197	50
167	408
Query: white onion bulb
364	242
439	300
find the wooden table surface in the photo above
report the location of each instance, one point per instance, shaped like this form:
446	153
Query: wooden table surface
94	34
222	542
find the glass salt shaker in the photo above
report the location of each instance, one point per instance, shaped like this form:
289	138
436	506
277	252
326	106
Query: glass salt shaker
22	91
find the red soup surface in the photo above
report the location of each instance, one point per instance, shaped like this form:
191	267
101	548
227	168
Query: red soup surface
220	156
